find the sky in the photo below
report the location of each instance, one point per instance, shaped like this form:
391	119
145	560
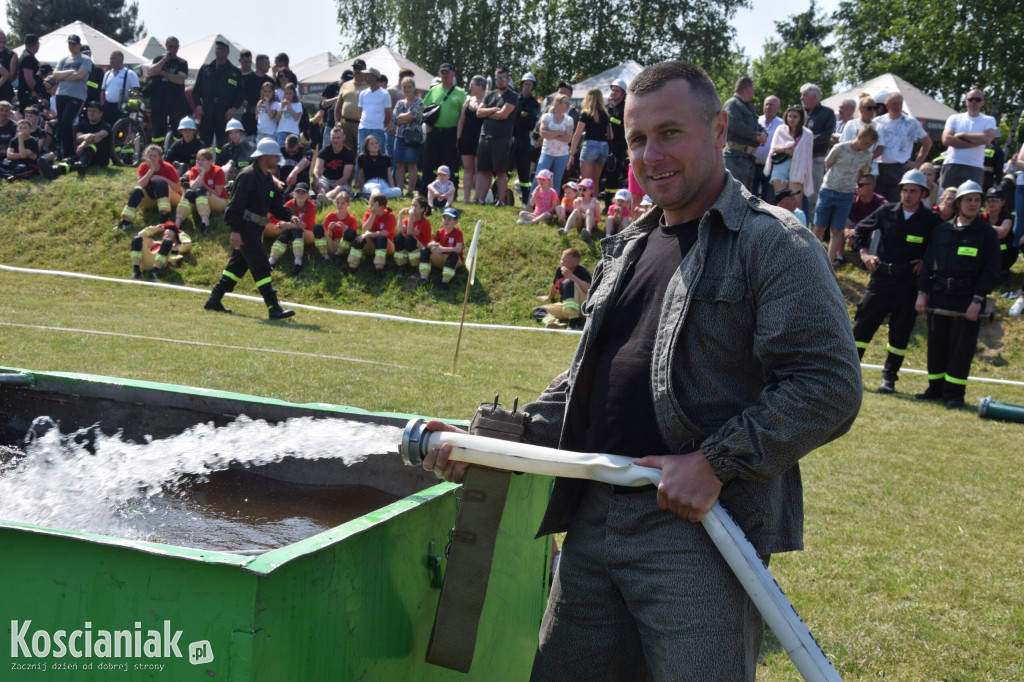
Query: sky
253	24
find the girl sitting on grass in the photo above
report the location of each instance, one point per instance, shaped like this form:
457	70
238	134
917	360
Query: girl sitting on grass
586	211
412	235
543	201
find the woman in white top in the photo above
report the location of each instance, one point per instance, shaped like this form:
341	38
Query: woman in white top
791	163
556	131
289	111
267	111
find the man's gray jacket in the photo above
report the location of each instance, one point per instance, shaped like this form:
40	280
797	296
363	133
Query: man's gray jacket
743	123
754	359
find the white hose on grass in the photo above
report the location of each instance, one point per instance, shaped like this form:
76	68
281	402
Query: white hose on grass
757	580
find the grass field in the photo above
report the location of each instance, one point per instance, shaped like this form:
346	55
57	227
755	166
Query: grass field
914	562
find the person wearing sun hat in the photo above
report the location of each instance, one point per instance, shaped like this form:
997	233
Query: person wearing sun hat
586	211
542	201
255	198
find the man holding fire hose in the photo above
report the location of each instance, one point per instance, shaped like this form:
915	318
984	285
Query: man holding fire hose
718	349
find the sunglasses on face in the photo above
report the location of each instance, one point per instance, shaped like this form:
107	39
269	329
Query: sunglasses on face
863	184
975	99
501	79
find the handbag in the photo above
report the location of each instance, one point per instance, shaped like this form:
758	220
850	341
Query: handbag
413	136
779	157
433	112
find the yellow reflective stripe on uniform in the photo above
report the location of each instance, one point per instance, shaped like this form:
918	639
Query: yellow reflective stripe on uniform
232	81
1002	247
160	258
895	350
92	147
91	84
447	272
861	344
915	239
934	377
571	305
615	121
231	275
958	382
971	251
265	280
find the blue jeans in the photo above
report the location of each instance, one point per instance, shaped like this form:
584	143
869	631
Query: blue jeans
832	209
326	141
555	164
67	112
1018	226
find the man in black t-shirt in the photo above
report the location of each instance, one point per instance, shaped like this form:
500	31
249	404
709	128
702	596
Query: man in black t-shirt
527	115
182	153
30	84
293	167
234	156
168	104
21	159
570	284
8	128
493	150
92	141
334	167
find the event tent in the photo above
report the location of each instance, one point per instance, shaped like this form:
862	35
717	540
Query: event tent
150	48
931	113
314	65
383	58
627	71
202	52
54	46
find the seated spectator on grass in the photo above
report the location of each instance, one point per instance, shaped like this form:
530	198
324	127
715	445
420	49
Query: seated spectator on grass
1001	220
206	191
268	111
147	253
444	250
234	156
375	170
644	206
334	165
570	191
413	235
441	192
931	197
543	201
159	186
22	154
293	168
298	237
337	223
570	285
92	141
586	211
182	154
289	114
618	214
377	239
790	199
866	201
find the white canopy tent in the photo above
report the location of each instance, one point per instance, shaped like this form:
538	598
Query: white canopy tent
383	58
314	65
54	46
627	71
202	52
930	112
150	48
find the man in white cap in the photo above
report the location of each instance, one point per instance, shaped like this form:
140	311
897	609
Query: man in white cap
905	230
255	197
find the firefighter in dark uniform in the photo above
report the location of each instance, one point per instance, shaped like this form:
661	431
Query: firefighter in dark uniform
959	271
527	114
615	179
254	199
217	95
905	228
167	104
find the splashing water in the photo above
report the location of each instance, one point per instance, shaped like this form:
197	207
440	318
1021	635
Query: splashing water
103	484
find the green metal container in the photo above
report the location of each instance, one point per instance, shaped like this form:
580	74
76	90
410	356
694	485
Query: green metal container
993	409
355	602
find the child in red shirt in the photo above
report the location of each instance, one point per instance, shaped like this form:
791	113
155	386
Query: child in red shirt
444	250
338	223
310	233
414	234
206	191
378	237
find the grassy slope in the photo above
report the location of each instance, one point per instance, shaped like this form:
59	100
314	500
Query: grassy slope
912	568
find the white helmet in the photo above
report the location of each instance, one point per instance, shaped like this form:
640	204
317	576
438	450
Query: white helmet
187	124
969	187
619	83
266	147
528	77
234	124
914	177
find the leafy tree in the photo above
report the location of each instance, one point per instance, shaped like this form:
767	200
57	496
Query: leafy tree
782	70
118	19
944	47
806	28
556	39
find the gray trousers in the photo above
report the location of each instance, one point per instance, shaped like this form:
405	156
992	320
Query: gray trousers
741	166
955	174
640	594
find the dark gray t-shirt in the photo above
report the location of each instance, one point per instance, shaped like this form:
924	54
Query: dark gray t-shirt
500	129
76	89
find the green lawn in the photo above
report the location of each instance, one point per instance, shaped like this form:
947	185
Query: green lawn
914	562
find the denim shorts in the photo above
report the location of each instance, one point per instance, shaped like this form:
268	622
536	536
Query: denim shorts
404	153
594	151
780	171
833	209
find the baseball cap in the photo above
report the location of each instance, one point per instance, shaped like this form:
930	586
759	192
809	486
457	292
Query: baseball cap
450	212
572	185
93	104
359	64
544	174
373	72
586	183
445	170
73	38
301	187
446	67
784	193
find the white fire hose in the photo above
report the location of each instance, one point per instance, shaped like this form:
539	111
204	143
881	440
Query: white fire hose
757	580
